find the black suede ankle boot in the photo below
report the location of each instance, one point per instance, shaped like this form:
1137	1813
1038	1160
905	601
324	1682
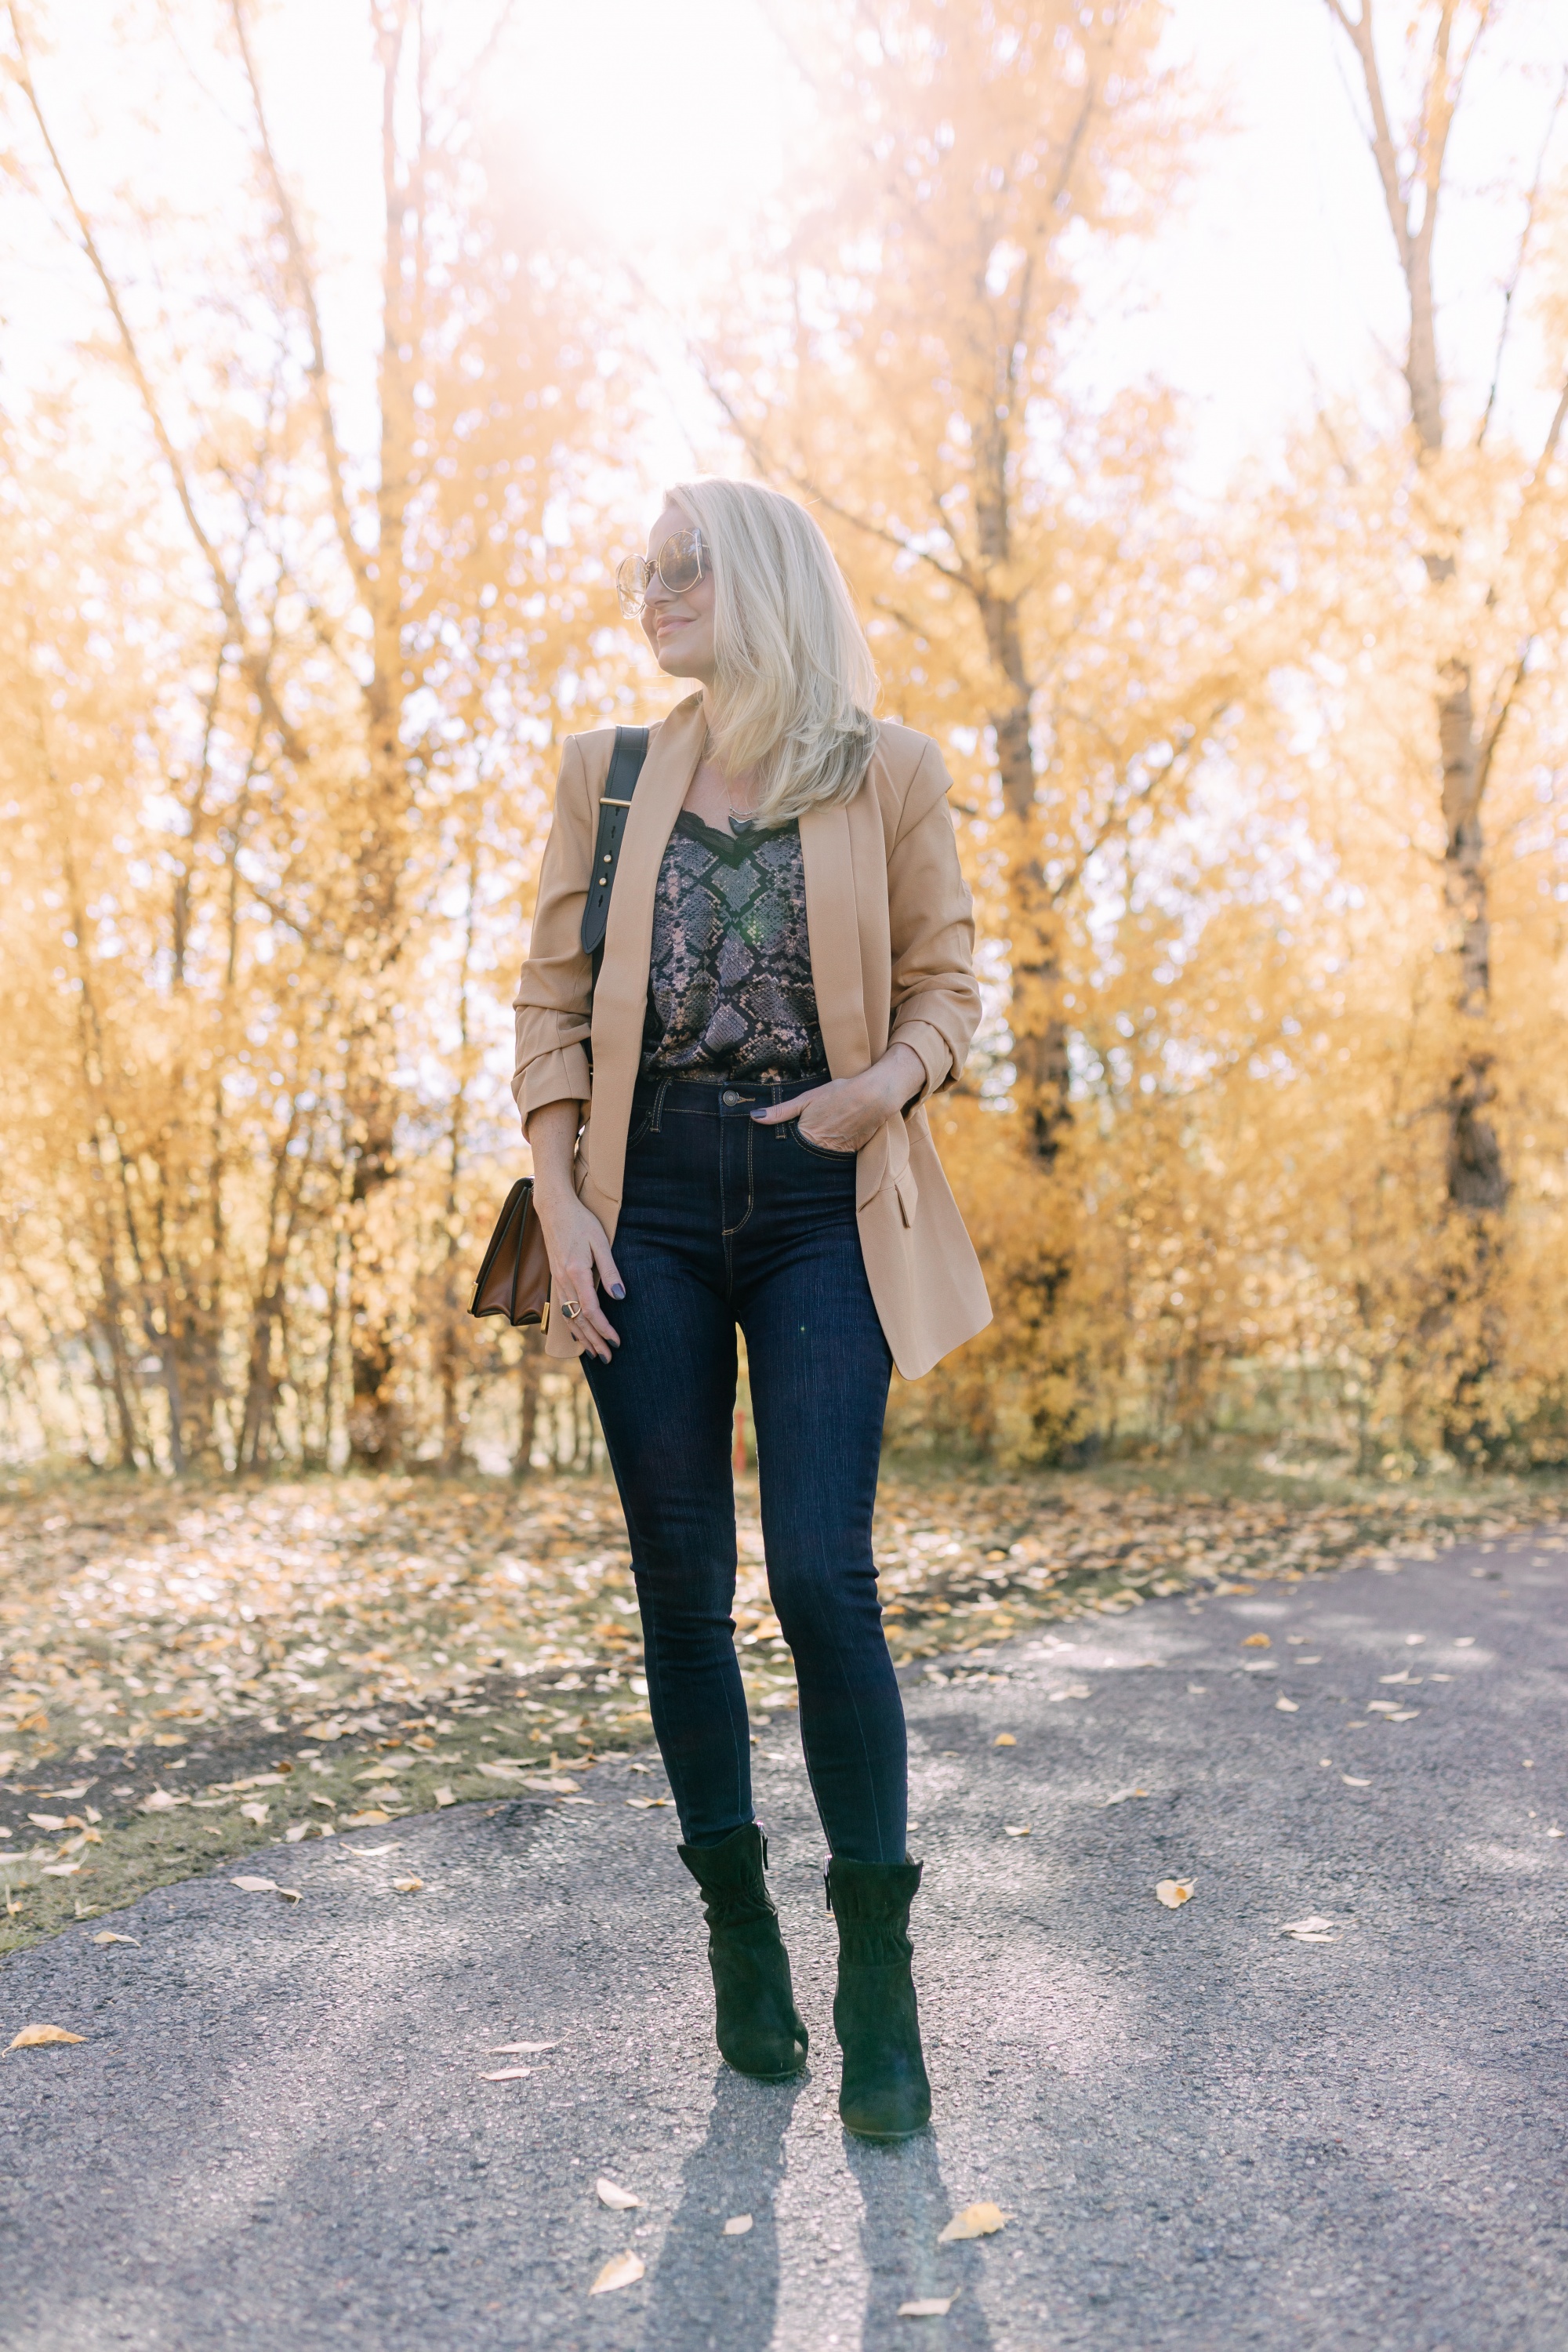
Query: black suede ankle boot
885	2094
759	2029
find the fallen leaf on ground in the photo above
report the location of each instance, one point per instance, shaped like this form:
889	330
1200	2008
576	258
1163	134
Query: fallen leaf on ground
1311	1930
621	2270
1073	1690
445	1797
266	1886
256	1811
647	1804
1123	1795
388	1769
523	2049
1404	1714
930	2306
48	1821
299	1830
109	1936
1257	1641
737	2225
1004	1740
161	1802
619	2199
1352	1783
407	1886
1022	1831
35	2037
60	1869
507	2075
974	2221
367	1851
1288	1706
1173	1892
370	1820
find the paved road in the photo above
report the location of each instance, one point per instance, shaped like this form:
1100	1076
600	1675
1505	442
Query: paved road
1209	2135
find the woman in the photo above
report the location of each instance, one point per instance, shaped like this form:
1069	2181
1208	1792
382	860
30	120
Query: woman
726	1129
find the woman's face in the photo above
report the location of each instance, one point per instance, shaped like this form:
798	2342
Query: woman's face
679	628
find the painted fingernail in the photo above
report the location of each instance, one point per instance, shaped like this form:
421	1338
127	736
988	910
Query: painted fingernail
617	1290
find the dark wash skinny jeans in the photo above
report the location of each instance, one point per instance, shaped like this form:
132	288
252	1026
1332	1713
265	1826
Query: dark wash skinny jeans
725	1222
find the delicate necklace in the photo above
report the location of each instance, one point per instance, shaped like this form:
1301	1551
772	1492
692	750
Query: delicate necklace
736	811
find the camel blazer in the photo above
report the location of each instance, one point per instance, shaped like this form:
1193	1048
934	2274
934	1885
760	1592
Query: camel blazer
891	935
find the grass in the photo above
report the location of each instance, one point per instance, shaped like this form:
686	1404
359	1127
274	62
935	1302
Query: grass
345	1646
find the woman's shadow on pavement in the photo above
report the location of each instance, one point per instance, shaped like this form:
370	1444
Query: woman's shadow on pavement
708	2290
712	2293
906	2205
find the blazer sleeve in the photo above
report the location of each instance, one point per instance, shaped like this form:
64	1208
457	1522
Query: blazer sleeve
554	1003
935	997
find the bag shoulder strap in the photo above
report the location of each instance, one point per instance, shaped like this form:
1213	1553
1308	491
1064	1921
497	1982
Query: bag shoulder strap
626	767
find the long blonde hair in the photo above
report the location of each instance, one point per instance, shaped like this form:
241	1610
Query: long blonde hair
796	684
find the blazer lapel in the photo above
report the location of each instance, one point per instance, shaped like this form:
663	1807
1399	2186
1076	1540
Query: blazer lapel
621	995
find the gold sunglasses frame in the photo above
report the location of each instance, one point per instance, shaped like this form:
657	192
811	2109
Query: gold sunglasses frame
636	575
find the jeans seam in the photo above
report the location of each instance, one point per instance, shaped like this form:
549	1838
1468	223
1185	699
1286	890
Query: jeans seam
730	1231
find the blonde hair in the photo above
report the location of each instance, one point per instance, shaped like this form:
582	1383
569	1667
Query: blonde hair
794	685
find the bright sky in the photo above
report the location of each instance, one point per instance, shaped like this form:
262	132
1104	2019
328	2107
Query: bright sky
1276	275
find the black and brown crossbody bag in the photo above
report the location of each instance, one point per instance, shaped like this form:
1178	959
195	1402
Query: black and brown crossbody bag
514	1273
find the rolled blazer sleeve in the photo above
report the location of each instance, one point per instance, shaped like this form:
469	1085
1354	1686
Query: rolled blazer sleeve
935	995
554	1003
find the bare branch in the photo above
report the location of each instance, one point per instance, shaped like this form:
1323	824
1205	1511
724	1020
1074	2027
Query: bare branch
1503	703
227	594
1548	446
1381	139
305	295
1525	234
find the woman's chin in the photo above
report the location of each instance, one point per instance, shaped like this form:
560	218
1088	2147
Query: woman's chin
675	663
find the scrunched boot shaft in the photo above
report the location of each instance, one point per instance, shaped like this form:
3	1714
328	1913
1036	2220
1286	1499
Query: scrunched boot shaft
885	2092
758	2027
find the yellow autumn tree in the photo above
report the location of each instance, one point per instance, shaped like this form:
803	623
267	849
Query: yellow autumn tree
328	757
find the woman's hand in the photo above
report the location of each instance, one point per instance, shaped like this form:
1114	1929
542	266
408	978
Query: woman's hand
844	1115
575	1242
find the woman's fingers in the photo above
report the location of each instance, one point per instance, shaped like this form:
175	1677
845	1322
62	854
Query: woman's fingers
604	1264
779	1112
574	1287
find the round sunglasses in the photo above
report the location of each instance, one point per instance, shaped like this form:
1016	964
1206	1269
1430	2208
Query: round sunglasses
678	565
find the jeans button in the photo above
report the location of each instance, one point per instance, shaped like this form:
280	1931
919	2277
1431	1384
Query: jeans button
729	1096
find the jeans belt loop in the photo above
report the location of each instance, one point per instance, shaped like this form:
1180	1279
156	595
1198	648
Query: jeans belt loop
654	1127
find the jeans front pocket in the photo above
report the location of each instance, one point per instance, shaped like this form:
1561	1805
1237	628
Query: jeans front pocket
820	1150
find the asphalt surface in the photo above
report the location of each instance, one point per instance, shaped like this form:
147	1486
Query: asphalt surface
1207	2133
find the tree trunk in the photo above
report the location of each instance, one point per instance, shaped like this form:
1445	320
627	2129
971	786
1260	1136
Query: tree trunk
529	1371
1477	1182
1040	1033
